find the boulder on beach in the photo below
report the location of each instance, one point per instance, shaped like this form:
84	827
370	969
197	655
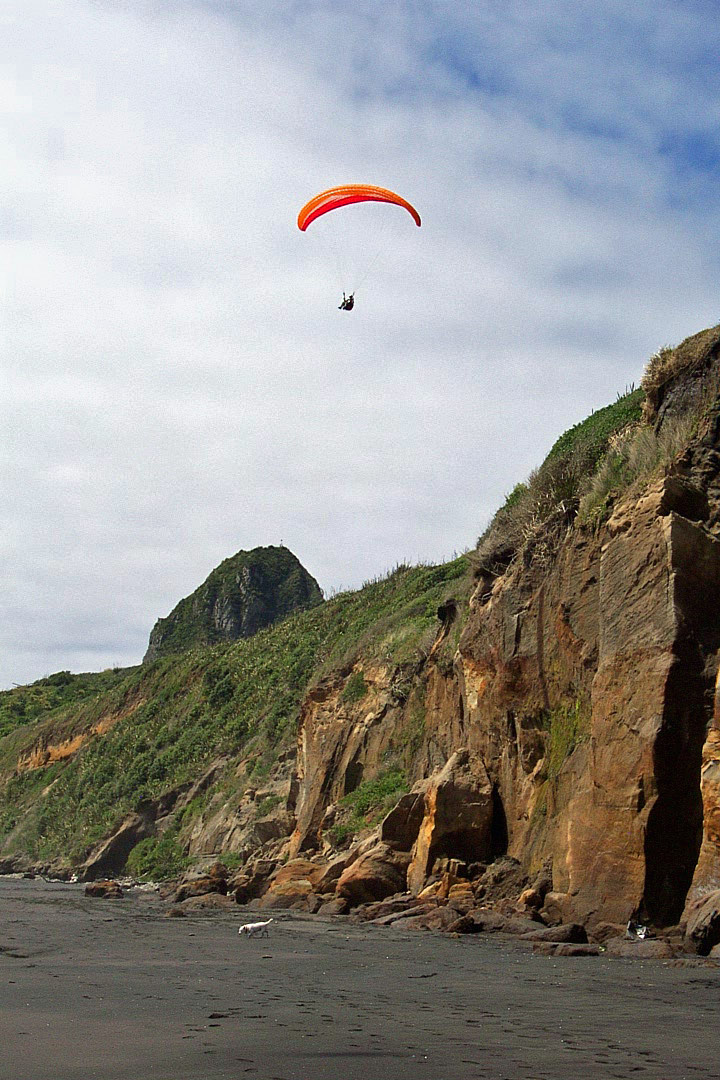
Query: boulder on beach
380	872
553	948
640	949
292	885
567	933
104	890
215	880
702	931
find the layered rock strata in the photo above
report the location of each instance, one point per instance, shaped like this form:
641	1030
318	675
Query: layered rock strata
579	711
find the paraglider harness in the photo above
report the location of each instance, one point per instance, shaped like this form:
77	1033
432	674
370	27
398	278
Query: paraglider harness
348	302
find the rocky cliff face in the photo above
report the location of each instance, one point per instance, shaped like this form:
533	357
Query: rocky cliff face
613	652
583	700
561	718
241	596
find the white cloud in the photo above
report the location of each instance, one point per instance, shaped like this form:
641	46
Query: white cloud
178	381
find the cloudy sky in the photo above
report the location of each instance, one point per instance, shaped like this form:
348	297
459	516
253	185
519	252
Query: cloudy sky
177	381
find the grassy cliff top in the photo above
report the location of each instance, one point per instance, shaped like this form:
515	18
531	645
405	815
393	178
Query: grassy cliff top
610	454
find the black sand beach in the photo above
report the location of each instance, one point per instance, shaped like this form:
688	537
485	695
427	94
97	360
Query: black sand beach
115	990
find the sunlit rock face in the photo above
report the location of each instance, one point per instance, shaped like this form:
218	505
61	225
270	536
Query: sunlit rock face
449	815
582	702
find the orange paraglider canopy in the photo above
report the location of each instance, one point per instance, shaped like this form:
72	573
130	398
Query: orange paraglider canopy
346	194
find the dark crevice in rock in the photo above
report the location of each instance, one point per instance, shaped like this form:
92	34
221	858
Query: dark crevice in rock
466	845
447	612
353	775
499	826
675	822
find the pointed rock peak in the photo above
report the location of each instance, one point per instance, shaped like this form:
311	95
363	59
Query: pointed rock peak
244	594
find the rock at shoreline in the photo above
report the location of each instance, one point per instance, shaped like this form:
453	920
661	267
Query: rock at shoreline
551	948
568	933
104	890
485	920
336	906
214	881
702	932
642	949
380	872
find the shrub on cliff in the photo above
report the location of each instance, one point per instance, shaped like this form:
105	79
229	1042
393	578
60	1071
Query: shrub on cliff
355	688
368	804
157	858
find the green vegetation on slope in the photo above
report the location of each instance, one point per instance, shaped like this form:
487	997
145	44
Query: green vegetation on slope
644	450
175	716
615	451
24	704
157	858
369	803
355	688
581	447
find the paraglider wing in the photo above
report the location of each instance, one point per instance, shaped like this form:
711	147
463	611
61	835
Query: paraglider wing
336	197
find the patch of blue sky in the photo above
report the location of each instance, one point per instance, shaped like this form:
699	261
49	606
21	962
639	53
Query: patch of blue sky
692	152
694	196
576	118
474	69
691	163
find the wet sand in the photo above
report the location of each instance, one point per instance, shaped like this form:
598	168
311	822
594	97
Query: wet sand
114	989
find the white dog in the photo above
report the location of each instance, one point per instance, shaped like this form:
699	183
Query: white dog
256	929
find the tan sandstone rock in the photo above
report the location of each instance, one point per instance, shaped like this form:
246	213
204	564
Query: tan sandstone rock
378	873
292	884
457	814
707	872
104	890
702	932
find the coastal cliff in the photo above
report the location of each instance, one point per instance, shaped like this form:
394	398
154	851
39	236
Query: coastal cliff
547	701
